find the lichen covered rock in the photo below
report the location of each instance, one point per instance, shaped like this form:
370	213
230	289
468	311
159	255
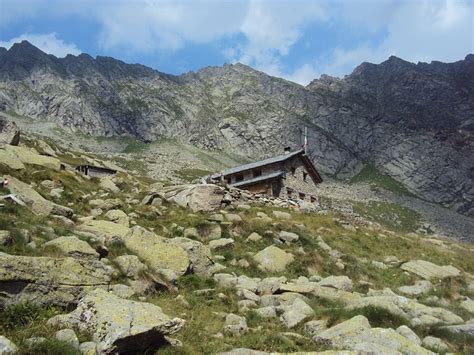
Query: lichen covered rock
107	231
119	217
273	258
118	325
161	256
71	246
199	255
7	347
201	197
428	270
49	281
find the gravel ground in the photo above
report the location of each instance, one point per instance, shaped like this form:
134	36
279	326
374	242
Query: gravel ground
442	220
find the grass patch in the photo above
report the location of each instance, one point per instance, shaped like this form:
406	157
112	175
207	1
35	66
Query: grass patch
25	320
464	343
190	175
50	347
335	312
370	174
134	146
389	215
204	320
379	317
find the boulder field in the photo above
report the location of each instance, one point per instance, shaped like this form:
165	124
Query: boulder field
124	265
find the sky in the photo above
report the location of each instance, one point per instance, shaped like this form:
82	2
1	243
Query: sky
294	39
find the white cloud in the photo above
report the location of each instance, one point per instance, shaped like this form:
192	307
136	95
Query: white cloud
48	43
414	31
264	33
271	28
303	75
146	25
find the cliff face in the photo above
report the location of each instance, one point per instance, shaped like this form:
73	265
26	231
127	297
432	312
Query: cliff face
414	122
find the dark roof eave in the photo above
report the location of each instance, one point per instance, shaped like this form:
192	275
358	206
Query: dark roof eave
96	167
261	163
317	179
258	179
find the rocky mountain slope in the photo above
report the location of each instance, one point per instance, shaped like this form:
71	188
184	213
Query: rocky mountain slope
413	122
126	264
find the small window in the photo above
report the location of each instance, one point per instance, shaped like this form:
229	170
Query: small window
257	173
239	177
289	192
304	176
313	199
293	171
228	179
301	196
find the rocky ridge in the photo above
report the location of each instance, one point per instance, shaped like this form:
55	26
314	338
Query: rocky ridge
413	122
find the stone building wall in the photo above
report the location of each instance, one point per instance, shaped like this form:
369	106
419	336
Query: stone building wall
295	184
99	173
298	179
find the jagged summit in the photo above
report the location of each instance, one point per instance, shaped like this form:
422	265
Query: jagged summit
24	46
23	59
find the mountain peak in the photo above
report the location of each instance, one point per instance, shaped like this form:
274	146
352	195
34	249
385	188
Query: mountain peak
394	58
396	61
24	50
23	58
24	46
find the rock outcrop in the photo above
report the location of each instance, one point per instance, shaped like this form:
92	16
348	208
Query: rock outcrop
196	197
199	255
105	231
49	281
7	347
356	334
35	202
273	258
118	325
71	246
9	132
162	257
428	270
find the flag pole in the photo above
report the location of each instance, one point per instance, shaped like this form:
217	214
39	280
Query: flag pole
305	139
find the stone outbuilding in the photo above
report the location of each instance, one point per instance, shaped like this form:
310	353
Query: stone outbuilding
291	175
95	171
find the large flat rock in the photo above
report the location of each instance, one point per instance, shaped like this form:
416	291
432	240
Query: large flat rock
71	246
200	197
357	335
416	313
120	326
49	281
273	258
10	159
168	259
107	231
428	270
32	157
34	201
